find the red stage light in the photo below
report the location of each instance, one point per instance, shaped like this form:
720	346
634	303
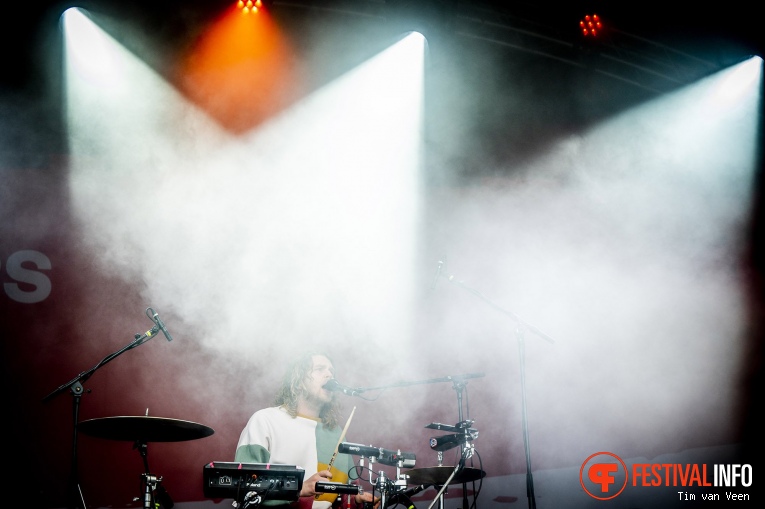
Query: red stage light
591	25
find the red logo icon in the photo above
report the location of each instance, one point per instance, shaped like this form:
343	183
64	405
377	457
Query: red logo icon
603	475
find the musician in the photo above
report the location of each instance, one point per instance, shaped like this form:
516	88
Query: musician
302	429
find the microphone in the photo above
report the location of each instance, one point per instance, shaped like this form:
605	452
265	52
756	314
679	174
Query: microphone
446	442
337	487
359	450
384	456
333	385
437	274
155	317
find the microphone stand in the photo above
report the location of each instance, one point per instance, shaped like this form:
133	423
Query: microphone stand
76	499
522	360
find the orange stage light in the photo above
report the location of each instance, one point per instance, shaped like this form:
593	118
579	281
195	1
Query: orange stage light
249	6
240	70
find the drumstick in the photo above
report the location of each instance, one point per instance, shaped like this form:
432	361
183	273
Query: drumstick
342	437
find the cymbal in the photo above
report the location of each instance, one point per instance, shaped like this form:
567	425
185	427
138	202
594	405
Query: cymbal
437	476
144	429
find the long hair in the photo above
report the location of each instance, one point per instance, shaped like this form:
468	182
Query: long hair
293	386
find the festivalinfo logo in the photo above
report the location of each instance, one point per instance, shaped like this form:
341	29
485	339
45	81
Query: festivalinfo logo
604	476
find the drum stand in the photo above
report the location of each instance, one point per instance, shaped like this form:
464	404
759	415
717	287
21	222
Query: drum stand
459	386
154	493
467	453
445	487
388	489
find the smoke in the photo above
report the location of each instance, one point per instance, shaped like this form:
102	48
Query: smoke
297	235
621	244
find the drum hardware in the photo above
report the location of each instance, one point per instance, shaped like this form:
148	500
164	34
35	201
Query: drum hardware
141	430
388	457
152	484
389	490
405	496
460	427
459	474
463	434
382	484
463	431
440	476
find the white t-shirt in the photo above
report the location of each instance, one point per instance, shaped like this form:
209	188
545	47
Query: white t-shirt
273	436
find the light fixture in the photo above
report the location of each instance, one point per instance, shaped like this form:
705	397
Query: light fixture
249	6
591	25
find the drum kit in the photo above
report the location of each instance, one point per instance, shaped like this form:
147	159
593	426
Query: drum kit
415	480
141	430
